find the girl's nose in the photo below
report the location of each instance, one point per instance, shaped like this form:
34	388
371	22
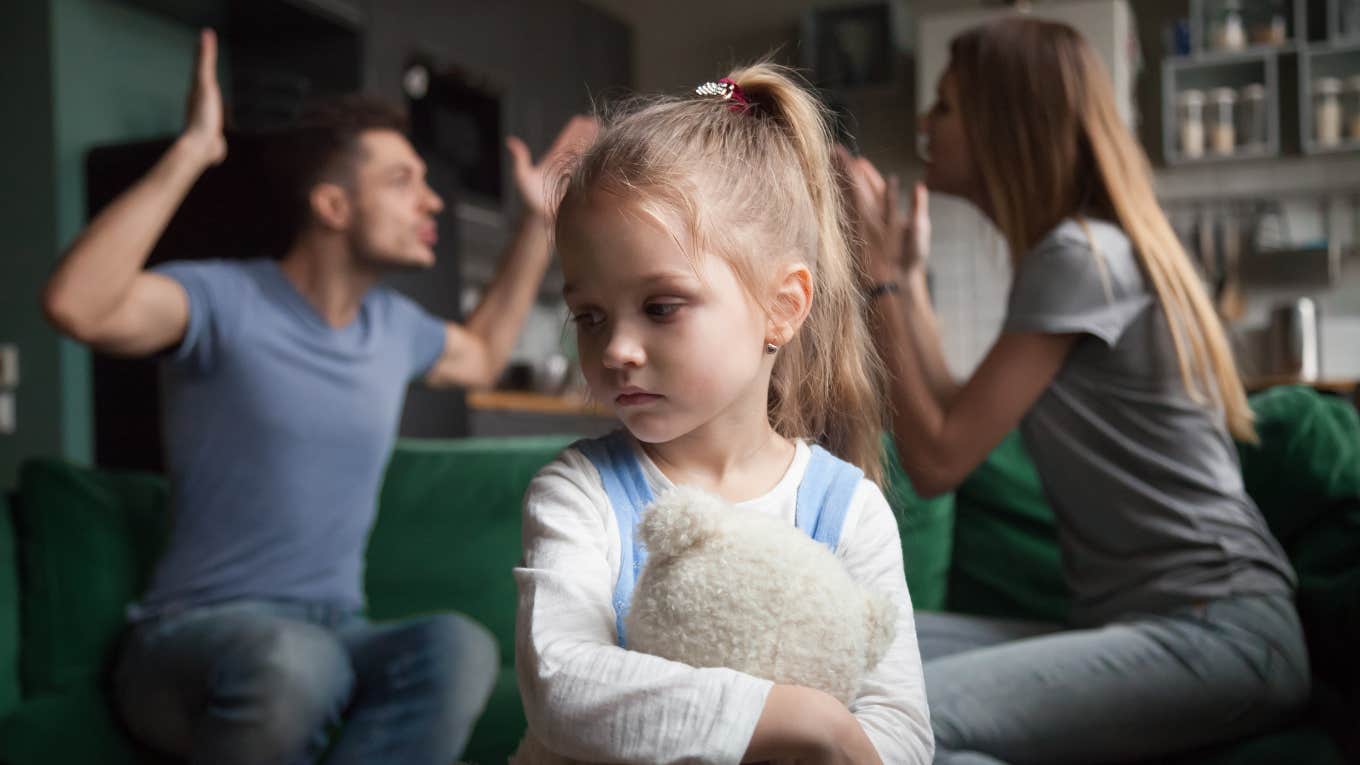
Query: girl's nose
623	350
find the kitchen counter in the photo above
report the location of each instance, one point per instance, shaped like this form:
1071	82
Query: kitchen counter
517	413
536	403
1339	386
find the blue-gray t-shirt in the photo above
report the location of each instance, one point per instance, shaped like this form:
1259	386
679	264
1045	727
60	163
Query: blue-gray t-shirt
1144	480
277	430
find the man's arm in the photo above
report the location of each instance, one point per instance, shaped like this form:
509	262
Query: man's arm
99	293
476	353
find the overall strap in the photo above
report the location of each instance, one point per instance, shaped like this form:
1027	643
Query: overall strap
629	494
824	496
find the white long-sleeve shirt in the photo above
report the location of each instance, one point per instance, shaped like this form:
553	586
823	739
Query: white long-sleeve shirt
588	699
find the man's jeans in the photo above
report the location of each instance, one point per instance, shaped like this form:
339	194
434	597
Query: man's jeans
264	682
1026	692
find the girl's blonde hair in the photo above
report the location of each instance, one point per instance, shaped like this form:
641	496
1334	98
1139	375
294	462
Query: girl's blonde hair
757	184
1049	144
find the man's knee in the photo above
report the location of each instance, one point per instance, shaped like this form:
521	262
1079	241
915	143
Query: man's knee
461	658
458	639
286	680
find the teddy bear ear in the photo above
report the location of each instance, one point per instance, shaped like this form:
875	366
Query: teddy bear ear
880	615
680	519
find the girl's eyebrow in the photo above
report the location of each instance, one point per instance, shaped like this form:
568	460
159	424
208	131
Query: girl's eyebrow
670	276
659	278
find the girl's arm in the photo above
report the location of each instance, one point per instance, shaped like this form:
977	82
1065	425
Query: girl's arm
891	704
584	696
809	726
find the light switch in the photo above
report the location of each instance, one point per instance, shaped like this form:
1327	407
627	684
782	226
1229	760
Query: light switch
9	365
7	423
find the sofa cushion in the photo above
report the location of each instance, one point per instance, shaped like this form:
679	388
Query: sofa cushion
1305	476
1006	561
1305	742
87	542
1308	457
501	726
69	728
927	530
448	529
9	612
447	538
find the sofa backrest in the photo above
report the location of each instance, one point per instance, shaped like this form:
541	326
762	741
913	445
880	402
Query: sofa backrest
9	612
448	530
1005	560
926	527
86	541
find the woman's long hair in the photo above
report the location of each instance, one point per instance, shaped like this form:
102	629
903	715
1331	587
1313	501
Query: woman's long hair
1049	144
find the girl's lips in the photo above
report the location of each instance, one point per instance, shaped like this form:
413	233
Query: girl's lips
635	399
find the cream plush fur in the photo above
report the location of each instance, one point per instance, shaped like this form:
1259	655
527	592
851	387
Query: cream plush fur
739	589
729	588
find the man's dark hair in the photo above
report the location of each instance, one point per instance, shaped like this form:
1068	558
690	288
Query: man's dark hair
324	146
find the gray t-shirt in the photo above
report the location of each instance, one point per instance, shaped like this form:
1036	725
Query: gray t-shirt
277	430
1145	482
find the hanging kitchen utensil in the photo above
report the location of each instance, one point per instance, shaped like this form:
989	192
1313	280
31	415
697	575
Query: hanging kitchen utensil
1230	300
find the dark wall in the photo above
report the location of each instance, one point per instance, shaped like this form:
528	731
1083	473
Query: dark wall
28	220
274	56
546	58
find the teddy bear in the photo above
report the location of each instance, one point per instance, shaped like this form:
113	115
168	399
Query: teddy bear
725	587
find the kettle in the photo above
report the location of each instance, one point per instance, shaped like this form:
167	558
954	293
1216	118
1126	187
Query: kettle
1293	345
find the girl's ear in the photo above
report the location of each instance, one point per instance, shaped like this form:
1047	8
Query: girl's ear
790	305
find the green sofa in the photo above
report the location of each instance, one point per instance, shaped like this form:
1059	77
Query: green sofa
77	544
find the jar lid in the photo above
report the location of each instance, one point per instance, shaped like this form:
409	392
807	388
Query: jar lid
1327	86
1190	98
1222	95
1254	92
1353	82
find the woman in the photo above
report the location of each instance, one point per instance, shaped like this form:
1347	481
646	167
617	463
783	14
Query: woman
1113	364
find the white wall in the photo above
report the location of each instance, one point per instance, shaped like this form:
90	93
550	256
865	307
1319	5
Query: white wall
677	45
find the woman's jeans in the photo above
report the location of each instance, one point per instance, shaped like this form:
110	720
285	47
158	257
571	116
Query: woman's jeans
1025	692
264	682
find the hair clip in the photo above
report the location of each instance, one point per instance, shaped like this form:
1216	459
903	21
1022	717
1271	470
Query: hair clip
725	89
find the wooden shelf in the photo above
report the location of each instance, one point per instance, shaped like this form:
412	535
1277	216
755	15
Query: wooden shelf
1338	386
535	403
1288	176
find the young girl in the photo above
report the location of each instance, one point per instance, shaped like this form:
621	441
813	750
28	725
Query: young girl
1112	362
717	311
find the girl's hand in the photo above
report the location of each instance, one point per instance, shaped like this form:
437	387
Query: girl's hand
848	743
890	242
804	726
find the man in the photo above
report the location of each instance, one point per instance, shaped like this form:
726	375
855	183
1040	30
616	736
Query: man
283	385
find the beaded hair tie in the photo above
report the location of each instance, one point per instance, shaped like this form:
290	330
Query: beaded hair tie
726	90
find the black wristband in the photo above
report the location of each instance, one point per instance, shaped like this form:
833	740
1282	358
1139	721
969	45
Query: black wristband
884	288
